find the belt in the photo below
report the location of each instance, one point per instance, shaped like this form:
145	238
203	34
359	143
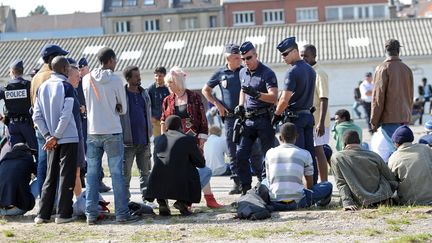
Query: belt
19	119
306	111
230	115
257	112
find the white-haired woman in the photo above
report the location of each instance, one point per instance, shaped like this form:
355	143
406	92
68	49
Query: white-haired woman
189	107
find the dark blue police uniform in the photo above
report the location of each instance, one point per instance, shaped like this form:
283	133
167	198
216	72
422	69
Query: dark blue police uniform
300	80
258	121
16	95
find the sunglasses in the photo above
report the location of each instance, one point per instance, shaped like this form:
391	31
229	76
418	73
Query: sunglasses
287	53
247	58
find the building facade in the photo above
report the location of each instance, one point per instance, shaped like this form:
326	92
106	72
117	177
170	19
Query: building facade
270	12
136	16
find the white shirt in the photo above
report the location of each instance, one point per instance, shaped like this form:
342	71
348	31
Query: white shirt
365	86
215	149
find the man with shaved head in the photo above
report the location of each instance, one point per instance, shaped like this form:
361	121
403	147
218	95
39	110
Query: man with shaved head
55	121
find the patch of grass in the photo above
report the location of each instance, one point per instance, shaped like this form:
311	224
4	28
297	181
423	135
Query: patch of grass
264	233
8	233
395	228
161	235
370	232
306	232
398	221
215	232
368	214
2	221
412	238
225	233
420	216
384	210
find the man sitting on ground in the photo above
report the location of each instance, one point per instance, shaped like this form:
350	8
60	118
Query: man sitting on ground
15	173
286	165
343	123
362	177
215	149
412	166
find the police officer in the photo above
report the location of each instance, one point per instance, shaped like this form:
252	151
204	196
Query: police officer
258	93
16	95
297	97
227	78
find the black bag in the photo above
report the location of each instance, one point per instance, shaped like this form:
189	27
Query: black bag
251	206
139	209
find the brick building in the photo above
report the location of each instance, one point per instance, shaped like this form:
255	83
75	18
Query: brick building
135	16
268	12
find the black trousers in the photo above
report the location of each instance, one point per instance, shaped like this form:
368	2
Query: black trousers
61	162
367	108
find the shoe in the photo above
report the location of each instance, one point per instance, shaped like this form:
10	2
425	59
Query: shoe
91	221
64	220
164	210
150	204
325	201
245	188
235	189
104	188
38	220
183	208
211	201
130	219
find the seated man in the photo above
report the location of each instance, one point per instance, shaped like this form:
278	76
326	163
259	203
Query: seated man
286	165
215	149
427	138
343	123
15	173
412	166
174	175
362	177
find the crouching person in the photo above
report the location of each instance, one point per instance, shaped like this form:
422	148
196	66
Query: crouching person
15	172
362	177
286	165
174	175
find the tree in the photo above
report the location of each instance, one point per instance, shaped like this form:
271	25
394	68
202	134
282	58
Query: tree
39	10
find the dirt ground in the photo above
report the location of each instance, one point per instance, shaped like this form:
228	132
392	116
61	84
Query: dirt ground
329	224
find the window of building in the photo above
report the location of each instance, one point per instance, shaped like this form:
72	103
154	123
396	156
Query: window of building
151	25
117	3
213	21
190	23
185	1
149	2
244	18
350	12
122	27
274	16
307	14
131	3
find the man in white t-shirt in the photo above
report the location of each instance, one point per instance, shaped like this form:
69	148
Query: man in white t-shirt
366	88
215	149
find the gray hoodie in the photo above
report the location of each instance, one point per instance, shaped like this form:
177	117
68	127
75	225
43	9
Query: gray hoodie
103	90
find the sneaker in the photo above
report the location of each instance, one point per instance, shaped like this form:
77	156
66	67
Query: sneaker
38	220
150	204
183	208
130	219
92	221
104	188
245	188
64	220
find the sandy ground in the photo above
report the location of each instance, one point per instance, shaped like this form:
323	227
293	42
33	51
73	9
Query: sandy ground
384	224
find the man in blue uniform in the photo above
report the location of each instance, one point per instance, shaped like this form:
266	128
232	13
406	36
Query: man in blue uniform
258	93
297	97
16	95
227	78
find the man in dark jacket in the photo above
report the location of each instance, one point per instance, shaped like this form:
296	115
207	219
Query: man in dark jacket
15	173
174	175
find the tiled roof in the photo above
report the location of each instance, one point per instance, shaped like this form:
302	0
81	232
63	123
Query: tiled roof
196	49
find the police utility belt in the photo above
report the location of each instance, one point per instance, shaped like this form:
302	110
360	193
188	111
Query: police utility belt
294	114
257	112
19	119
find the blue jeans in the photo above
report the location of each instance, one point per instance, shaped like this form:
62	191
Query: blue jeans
205	174
390	128
42	161
318	192
112	145
355	108
12	212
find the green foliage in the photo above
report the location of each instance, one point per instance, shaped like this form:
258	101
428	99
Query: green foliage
39	10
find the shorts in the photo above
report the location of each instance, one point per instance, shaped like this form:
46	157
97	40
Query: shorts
324	139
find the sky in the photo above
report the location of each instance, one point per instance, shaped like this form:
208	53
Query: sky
23	7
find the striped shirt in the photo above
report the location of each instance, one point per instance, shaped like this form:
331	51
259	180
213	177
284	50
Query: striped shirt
285	166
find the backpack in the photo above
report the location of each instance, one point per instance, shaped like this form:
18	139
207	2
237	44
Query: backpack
139	209
79	206
251	206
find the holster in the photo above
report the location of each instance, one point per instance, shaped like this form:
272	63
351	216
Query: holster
237	131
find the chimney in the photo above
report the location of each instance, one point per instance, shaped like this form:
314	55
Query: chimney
392	9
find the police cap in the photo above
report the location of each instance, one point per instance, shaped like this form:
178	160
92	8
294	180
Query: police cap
286	44
232	49
51	49
82	62
246	46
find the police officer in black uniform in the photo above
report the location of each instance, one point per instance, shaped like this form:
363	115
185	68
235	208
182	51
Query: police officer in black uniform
259	90
227	78
16	95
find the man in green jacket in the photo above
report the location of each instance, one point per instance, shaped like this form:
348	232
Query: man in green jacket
343	123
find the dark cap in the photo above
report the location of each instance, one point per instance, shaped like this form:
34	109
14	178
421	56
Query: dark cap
17	64
232	49
82	62
403	134
246	46
51	49
286	44
173	122
392	44
368	74
72	62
